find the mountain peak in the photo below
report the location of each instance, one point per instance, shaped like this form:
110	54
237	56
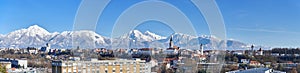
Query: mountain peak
148	31
135	32
36	28
30	31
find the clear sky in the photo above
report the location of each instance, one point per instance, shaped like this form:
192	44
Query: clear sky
262	22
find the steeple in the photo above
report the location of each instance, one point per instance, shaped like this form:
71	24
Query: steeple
252	51
171	42
201	48
252	46
47	45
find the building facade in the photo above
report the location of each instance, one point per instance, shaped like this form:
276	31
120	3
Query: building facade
15	63
101	66
7	65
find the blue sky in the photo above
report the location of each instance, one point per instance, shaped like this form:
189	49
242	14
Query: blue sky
261	22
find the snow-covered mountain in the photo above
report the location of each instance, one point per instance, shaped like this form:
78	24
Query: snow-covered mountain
136	39
82	38
1	38
32	36
154	36
35	36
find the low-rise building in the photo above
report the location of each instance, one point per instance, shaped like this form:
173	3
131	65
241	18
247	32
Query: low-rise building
16	63
255	63
7	65
245	61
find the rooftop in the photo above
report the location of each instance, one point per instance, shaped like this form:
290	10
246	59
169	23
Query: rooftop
256	70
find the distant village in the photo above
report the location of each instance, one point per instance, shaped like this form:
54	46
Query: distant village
147	60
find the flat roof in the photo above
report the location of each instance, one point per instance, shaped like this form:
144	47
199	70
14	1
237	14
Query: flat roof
253	70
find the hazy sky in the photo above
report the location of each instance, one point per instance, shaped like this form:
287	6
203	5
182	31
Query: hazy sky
262	22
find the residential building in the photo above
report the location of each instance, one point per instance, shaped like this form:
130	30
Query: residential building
15	63
255	63
7	65
27	70
101	66
245	61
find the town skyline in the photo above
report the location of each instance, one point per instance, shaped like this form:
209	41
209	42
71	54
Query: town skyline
149	36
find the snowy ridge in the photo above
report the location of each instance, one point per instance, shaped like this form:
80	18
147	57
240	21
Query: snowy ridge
1	38
153	35
35	36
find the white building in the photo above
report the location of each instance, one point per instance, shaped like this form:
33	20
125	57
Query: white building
33	51
23	63
23	71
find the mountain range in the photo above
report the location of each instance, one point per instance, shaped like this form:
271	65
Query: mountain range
36	36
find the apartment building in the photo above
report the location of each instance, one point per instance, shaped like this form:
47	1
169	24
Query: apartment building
101	66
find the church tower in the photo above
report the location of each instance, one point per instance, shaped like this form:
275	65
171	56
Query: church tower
48	47
171	42
252	50
201	48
